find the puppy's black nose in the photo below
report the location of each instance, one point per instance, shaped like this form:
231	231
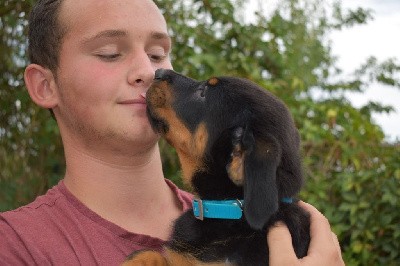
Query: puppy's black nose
159	73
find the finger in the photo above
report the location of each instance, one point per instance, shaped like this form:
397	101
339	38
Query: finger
320	230
336	242
280	246
324	243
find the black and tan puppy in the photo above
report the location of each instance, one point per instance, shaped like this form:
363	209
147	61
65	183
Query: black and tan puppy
239	151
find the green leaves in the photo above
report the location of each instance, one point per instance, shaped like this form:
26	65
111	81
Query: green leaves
31	158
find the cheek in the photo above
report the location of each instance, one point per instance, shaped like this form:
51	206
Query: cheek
78	100
87	84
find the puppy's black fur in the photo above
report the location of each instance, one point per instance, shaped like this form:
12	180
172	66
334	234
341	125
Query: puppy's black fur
235	140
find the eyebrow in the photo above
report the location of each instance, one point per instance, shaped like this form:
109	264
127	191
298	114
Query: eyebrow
156	35
106	34
160	35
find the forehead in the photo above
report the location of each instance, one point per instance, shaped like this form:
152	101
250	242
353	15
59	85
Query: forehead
87	17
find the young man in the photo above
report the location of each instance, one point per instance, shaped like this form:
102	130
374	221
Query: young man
92	62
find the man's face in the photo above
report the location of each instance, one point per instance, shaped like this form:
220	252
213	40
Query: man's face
107	60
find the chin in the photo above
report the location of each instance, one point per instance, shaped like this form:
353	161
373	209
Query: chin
145	136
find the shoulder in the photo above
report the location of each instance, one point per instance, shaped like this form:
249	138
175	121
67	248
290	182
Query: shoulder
33	210
35	214
12	249
16	226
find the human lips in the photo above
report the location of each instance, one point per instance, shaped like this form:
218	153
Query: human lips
139	100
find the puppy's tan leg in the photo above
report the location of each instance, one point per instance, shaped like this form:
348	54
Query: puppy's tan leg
175	259
172	258
146	258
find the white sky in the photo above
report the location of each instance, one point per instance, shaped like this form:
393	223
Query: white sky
379	38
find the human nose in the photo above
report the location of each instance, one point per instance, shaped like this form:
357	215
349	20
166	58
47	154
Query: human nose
141	72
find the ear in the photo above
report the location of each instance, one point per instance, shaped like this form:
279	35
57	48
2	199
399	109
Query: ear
261	160
41	85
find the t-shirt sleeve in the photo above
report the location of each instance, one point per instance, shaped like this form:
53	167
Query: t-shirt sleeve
12	248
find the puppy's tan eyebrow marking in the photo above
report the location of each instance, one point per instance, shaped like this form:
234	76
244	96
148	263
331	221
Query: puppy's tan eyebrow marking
213	81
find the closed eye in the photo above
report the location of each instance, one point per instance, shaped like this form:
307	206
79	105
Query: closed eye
108	57
157	58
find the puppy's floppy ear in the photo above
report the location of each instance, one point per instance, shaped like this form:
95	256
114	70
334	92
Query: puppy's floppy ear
261	159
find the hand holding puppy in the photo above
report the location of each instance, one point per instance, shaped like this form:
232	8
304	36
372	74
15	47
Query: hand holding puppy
324	247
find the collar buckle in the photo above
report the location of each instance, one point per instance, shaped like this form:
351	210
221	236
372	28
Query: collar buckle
199	205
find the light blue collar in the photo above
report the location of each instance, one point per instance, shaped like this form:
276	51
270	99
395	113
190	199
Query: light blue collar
221	209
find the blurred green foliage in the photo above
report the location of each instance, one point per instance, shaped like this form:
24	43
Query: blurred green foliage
353	174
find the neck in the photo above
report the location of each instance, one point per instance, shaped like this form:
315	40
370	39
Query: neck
121	190
88	175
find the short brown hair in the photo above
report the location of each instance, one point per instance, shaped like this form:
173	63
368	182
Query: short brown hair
45	34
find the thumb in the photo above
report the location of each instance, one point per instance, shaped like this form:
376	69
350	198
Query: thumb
281	250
